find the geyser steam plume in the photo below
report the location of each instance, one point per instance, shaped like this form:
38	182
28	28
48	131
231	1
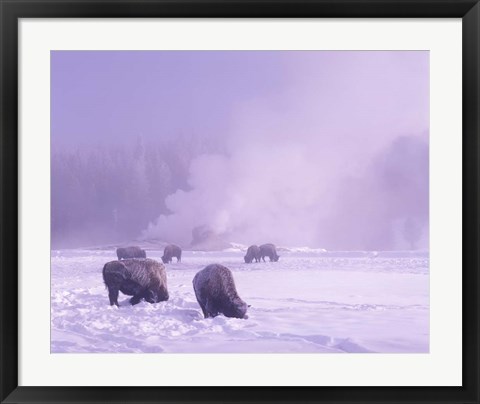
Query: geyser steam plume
336	157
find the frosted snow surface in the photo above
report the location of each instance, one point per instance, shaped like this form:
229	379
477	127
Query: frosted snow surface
310	301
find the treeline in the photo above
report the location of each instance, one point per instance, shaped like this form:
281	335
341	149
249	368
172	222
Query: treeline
110	194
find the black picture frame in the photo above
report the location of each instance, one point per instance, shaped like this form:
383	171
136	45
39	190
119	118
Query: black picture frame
13	10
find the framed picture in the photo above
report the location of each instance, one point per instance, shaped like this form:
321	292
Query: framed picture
239	202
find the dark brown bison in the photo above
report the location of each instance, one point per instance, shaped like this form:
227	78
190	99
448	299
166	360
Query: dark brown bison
216	293
253	253
145	279
171	251
269	250
130	252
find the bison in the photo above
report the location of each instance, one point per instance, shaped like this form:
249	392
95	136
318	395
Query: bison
171	251
145	279
130	252
253	252
269	250
216	293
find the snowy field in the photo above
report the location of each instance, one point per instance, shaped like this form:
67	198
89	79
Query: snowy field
308	302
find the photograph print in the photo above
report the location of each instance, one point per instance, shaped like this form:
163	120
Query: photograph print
239	202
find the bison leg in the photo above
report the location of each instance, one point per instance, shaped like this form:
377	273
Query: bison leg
138	296
204	307
210	309
113	296
201	304
136	299
204	310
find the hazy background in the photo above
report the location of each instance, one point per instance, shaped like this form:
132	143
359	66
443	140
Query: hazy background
319	149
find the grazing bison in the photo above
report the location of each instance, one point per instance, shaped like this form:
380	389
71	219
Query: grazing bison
253	252
216	293
171	251
269	250
138	278
130	252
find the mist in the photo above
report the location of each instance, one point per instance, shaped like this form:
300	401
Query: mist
318	149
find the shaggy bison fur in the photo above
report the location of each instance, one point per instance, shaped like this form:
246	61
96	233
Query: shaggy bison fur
216	293
253	253
130	252
171	251
269	250
145	279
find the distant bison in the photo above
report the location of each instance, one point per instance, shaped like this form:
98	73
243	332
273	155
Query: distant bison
253	253
216	293
269	250
130	252
171	251
145	279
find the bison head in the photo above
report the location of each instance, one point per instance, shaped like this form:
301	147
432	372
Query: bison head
155	296
151	296
237	309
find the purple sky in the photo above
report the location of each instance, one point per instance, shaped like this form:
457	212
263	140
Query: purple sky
107	96
327	149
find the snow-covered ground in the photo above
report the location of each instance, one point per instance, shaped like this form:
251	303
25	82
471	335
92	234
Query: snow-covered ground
309	301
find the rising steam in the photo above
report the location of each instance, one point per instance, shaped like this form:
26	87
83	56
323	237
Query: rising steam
332	163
